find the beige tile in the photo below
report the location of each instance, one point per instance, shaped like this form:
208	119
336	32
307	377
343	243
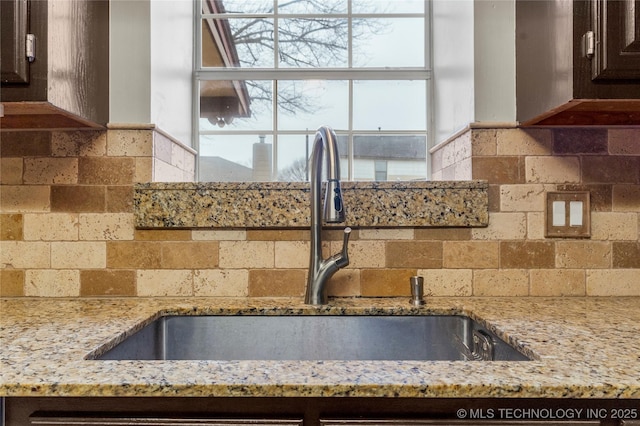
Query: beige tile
165	282
78	255
11	171
547	169
527	254
443	234
626	198
413	254
179	156
626	254
189	254
292	254
436	174
345	283
583	254
162	147
11	227
499	170
502	226
120	199
501	282
52	283
134	255
11	283
624	141
387	234
610	169
107	283
130	143
447	282
363	254
524	141
143	170
106	170
25	254
277	235
79	143
524	198
448	155
25	144
484	142
277	282
464	169
163	172
386	282
162	235
106	226
462	148
51	227
221	283
613	282
557	282
247	254
50	170
614	226
78	198
219	235
471	254
536	223
25	198
576	140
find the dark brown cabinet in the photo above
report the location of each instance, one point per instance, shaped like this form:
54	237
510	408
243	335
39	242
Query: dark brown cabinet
318	411
55	64
578	62
616	40
15	64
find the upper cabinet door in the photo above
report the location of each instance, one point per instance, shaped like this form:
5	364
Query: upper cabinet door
616	27
15	65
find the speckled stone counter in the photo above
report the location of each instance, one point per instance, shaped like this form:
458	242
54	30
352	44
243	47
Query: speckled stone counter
286	205
582	348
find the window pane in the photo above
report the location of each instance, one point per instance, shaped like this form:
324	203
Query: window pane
390	157
383	42
235	158
309	104
386	6
389	105
247	43
293	152
313	43
312	6
236	105
237	6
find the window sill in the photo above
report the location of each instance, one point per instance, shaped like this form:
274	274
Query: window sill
286	205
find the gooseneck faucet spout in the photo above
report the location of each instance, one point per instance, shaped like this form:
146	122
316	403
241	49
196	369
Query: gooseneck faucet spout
320	270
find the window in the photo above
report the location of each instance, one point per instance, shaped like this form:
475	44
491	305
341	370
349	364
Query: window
270	72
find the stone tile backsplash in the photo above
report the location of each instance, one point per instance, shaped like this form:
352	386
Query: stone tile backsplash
67	224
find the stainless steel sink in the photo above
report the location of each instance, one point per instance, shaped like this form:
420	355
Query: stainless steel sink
313	337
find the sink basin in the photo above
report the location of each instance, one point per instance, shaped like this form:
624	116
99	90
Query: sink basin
313	337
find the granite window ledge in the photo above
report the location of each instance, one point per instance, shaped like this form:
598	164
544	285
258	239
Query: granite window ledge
286	204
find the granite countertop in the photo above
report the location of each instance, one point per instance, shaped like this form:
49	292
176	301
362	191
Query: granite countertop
582	348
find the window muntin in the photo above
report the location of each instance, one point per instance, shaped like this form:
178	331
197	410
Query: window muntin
361	88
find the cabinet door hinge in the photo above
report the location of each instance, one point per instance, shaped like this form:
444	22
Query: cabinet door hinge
588	44
31	47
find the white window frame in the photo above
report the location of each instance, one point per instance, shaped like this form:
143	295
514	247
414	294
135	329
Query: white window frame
349	74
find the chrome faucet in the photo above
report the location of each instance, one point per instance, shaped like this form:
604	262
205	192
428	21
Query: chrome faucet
320	270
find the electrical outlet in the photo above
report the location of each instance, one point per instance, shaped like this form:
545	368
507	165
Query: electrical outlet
568	214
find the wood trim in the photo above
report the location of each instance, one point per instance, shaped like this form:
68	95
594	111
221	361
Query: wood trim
590	112
41	116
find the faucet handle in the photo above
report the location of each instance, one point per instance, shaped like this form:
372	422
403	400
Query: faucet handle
343	258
